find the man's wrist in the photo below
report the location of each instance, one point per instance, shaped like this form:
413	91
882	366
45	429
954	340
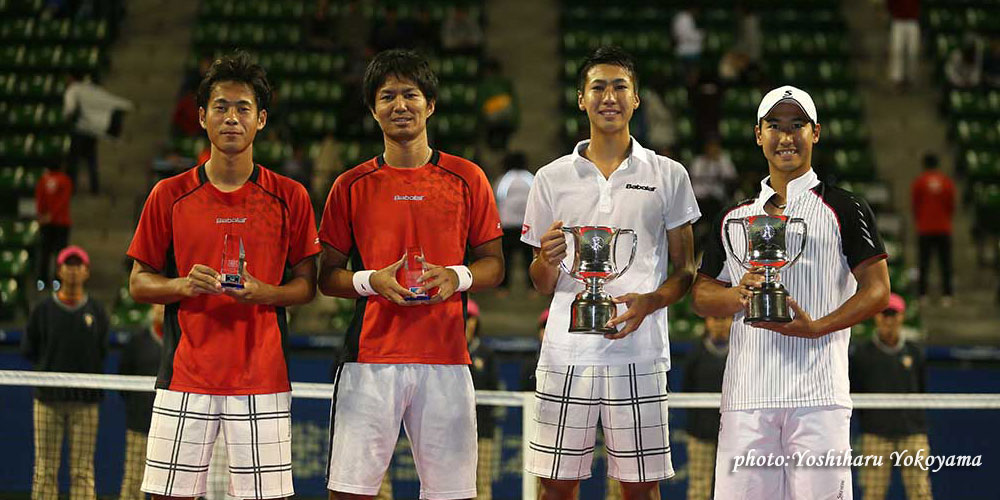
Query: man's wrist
464	275
362	281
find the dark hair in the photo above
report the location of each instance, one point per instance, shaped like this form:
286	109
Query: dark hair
403	64
515	160
239	68
930	160
608	54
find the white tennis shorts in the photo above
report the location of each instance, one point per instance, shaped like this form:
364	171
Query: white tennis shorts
257	430
437	407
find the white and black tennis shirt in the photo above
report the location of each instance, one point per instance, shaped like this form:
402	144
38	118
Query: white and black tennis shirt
766	369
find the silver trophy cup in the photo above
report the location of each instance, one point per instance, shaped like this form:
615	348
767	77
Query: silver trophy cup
594	264
765	237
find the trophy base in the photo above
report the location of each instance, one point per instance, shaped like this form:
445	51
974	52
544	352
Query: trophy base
769	304
589	313
232	281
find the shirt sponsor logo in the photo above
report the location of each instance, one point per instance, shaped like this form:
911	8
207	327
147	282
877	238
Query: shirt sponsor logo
230	220
408	197
640	187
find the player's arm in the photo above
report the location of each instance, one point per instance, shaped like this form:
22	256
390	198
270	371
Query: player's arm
680	244
299	290
711	297
544	269
147	285
486	269
336	280
871	297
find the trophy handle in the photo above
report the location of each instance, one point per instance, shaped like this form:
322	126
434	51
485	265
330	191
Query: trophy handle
562	265
614	255
729	243
805	234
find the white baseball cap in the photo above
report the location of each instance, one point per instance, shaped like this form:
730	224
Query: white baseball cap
787	93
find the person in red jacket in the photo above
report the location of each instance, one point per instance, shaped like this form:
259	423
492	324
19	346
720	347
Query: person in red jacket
933	204
52	196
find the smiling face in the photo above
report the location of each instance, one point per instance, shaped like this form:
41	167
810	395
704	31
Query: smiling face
609	97
232	119
786	136
401	109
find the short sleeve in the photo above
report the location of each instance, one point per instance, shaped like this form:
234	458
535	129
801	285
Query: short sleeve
859	235
154	233
538	214
713	260
335	225
681	207
304	241
485	218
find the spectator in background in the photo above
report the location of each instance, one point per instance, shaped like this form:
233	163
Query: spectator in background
904	41
299	166
749	37
688	38
512	197
713	177
94	113
499	113
52	199
460	31
964	67
661	133
705	93
889	363
393	32
353	29
991	64
185	118
319	28
140	356
328	165
703	373
66	332
932	199
485	376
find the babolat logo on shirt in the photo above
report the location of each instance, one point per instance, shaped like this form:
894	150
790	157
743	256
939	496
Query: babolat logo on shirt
408	197
640	187
230	220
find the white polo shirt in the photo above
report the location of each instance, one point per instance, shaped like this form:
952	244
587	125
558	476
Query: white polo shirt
766	369
649	194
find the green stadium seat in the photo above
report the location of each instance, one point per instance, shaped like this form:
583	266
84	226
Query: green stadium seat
19	234
11	298
982	165
14	263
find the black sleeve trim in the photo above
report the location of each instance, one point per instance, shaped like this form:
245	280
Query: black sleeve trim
860	240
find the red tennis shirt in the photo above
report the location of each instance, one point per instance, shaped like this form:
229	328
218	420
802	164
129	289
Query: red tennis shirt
212	343
373	214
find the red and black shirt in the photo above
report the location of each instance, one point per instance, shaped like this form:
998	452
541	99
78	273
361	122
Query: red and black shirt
213	344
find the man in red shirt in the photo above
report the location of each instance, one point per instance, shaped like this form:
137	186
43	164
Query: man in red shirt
52	196
214	244
933	204
405	352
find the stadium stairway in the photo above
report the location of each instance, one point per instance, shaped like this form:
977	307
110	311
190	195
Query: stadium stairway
527	46
146	67
903	127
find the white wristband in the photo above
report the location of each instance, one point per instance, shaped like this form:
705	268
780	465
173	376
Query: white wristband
464	277
363	283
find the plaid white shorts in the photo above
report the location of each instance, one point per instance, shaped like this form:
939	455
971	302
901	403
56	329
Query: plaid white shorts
257	430
631	402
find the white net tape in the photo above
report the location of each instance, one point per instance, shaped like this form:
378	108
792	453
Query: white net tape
930	401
